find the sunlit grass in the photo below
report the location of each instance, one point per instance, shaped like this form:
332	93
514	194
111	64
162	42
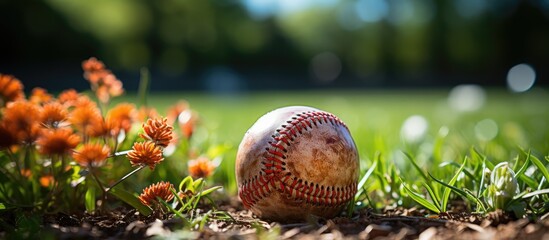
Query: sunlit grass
375	119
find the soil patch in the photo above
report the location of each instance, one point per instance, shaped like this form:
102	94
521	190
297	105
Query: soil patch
397	223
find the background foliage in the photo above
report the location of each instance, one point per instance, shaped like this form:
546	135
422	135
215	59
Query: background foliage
252	44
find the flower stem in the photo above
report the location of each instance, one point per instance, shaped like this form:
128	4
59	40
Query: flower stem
17	164
127	176
103	190
97	180
116	154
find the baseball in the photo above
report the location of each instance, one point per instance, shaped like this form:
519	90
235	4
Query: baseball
297	161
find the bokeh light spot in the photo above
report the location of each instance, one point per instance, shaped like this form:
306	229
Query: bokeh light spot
372	10
486	130
466	98
414	128
521	78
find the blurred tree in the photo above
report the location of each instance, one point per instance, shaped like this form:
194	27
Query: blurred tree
376	42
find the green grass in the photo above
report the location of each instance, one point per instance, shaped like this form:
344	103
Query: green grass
449	158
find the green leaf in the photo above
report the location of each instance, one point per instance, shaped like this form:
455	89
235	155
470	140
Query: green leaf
210	190
420	199
90	199
446	193
540	166
535	193
197	184
131	199
529	181
2	206
183	185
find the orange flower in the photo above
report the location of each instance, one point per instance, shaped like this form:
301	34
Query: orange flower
121	117
158	131
11	89
25	172
84	101
113	85
40	96
93	65
103	82
91	155
161	190
145	153
175	110
201	167
107	90
53	114
187	121
68	97
145	113
57	141
87	118
7	138
21	119
46	180
94	70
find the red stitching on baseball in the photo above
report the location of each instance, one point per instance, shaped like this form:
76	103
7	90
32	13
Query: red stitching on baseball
274	170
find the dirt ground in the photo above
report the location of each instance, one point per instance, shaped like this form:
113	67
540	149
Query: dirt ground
396	223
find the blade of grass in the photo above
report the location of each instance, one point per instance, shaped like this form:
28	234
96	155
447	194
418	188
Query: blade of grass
535	193
525	166
479	202
439	144
432	194
464	193
419	199
210	190
465	171
540	166
174	211
413	161
131	200
475	154
435	195
482	178
446	193
365	178
360	188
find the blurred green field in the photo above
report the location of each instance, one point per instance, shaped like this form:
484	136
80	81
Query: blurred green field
375	119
